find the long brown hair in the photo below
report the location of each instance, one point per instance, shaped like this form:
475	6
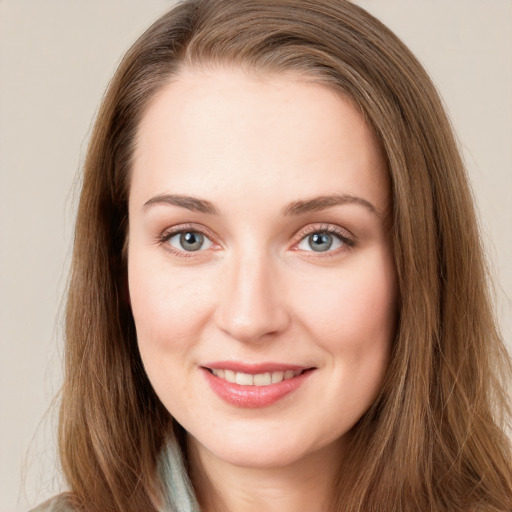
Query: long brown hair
435	438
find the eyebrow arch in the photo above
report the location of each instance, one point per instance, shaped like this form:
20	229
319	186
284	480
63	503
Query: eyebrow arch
324	202
190	203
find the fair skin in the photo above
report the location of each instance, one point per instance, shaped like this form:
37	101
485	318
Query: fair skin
258	245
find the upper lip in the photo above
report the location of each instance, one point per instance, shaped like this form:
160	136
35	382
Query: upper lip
254	368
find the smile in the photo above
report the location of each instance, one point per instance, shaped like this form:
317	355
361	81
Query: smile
254	386
259	379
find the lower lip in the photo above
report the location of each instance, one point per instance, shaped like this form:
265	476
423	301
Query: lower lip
253	396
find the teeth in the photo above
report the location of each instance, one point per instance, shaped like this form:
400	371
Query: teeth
260	379
244	379
277	377
229	375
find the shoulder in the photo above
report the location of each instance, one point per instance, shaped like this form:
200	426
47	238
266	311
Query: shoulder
59	503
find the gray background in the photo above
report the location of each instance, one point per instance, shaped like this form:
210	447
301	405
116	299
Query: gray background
56	58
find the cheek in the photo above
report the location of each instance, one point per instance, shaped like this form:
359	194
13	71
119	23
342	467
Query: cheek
168	307
354	309
169	310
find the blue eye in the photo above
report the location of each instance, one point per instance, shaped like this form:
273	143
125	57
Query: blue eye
321	241
189	241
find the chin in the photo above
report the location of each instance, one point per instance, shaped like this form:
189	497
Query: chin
259	457
263	449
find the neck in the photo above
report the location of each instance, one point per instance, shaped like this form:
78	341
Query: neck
307	484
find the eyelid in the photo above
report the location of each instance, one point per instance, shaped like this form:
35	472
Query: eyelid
166	234
348	238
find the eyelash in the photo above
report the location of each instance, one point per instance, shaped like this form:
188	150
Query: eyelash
164	238
346	238
343	236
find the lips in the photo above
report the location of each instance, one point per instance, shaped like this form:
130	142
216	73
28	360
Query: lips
254	385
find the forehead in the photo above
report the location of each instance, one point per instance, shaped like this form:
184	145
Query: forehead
226	130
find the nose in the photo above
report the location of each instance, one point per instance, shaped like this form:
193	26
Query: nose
252	306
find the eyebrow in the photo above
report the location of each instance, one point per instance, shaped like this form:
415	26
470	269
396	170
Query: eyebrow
295	208
324	202
190	203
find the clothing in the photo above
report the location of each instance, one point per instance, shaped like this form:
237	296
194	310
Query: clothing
58	503
179	495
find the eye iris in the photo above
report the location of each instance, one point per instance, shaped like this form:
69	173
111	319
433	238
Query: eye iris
320	242
191	241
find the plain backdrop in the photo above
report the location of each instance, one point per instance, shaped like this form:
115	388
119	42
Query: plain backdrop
56	58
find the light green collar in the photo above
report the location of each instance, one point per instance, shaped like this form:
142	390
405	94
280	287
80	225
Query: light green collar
179	495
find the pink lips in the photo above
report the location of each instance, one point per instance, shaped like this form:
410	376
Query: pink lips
252	396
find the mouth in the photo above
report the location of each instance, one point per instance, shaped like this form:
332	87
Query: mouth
258	379
254	386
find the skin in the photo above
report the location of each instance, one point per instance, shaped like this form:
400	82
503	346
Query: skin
256	291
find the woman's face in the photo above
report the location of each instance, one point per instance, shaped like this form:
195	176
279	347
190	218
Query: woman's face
260	268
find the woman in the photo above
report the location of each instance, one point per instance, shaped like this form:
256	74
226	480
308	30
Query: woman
278	297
